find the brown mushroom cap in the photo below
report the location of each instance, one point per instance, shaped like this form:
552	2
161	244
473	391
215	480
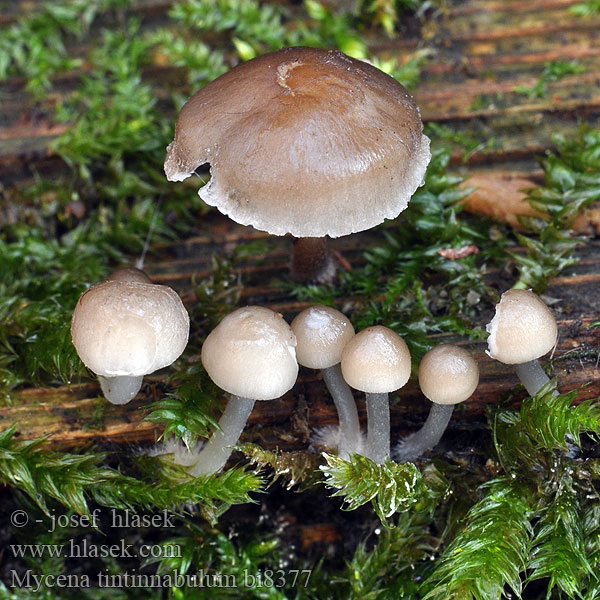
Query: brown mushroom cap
129	274
376	360
305	141
129	328
321	332
251	354
448	374
522	330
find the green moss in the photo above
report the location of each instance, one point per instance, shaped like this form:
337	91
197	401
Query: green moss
553	71
71	480
587	8
572	182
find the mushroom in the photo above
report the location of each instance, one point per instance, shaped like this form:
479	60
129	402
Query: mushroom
126	328
522	330
447	375
321	334
303	141
250	354
129	274
376	361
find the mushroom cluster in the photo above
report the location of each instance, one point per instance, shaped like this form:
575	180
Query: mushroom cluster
350	153
126	327
254	355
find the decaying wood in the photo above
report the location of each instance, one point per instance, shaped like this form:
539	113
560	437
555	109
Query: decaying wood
481	51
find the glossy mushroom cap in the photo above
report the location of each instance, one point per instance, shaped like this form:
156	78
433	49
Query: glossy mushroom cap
376	360
448	374
251	354
522	330
322	333
302	140
129	274
126	328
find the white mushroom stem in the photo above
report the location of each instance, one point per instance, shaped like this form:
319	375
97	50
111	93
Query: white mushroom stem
410	448
218	449
378	427
346	408
122	389
532	376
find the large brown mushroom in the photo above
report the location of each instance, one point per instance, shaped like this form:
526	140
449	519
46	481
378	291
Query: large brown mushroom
303	141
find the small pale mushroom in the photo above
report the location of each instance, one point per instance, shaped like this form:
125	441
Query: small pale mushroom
522	330
303	141
126	328
376	361
321	333
129	274
447	375
250	354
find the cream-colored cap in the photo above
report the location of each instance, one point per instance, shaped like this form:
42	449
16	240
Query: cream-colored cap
129	328
322	333
251	353
302	140
448	374
376	360
523	328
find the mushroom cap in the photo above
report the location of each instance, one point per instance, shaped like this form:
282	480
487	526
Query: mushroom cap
129	274
448	374
129	328
523	328
376	360
251	354
321	333
302	140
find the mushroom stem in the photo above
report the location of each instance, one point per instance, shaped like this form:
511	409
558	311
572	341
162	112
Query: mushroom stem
410	448
346	408
218	449
378	427
312	261
121	389
532	376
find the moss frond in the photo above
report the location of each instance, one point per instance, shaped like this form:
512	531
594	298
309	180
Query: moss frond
292	469
72	480
390	487
572	182
492	549
552	422
559	548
